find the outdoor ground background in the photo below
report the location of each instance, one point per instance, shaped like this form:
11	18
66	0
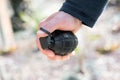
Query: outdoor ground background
97	56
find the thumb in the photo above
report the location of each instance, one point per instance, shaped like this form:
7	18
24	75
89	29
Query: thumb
48	26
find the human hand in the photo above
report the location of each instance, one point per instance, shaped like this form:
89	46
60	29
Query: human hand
57	21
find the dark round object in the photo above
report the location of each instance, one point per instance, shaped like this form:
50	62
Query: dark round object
60	42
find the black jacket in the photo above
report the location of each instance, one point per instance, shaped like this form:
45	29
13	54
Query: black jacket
87	11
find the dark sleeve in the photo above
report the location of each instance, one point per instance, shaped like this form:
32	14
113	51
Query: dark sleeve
87	11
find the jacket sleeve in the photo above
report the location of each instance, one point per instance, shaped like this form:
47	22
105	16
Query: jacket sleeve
87	11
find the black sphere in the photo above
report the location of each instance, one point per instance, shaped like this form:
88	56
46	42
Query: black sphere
60	42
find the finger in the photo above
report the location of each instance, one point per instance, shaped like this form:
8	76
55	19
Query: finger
65	57
49	53
46	52
57	57
68	56
47	24
38	45
51	58
41	34
50	27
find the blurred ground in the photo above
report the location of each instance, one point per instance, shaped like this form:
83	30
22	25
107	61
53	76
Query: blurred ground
97	56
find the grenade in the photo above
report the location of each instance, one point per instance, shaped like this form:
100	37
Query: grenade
60	42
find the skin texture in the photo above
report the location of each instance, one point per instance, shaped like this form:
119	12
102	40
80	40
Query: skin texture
57	21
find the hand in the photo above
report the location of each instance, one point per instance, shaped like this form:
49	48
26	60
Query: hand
57	21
